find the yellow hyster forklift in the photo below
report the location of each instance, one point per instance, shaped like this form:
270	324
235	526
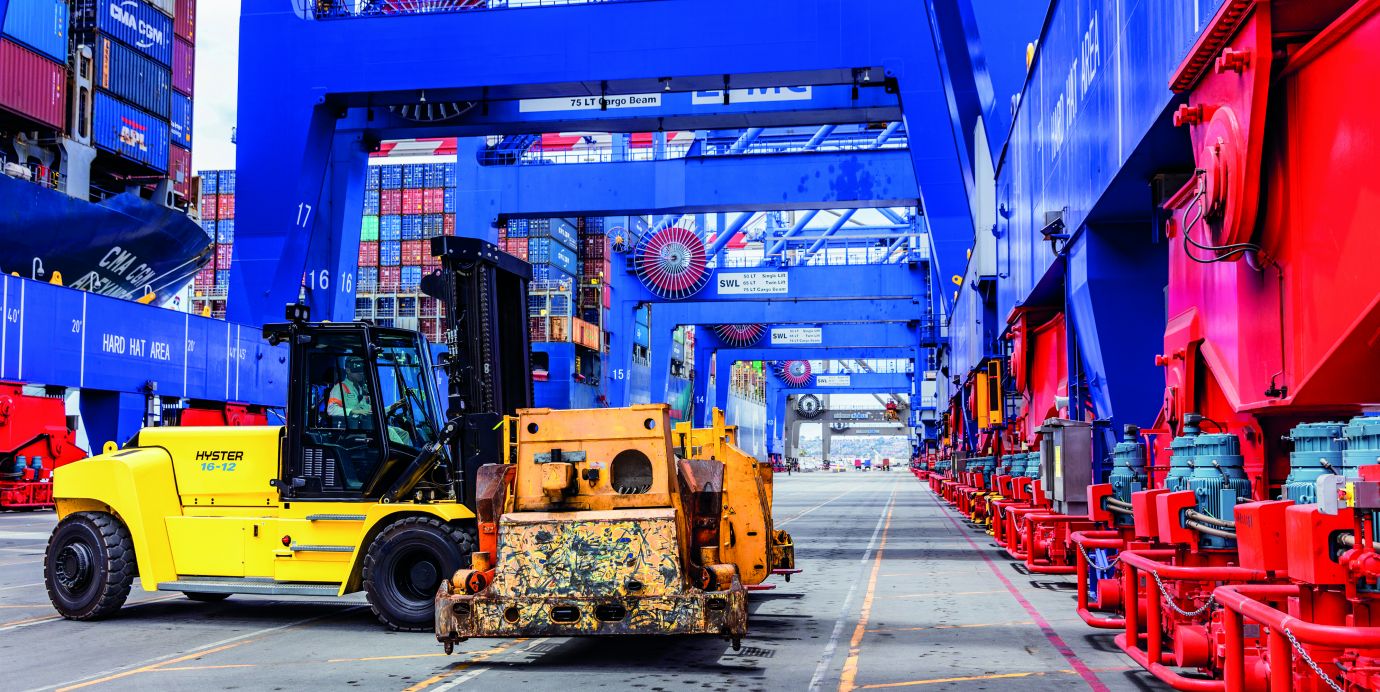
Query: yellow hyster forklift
363	487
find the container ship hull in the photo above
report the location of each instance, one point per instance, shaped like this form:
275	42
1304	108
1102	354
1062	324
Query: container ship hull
125	246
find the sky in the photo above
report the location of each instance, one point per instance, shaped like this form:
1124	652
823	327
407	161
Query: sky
217	55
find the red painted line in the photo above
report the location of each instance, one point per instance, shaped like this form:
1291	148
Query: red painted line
1054	639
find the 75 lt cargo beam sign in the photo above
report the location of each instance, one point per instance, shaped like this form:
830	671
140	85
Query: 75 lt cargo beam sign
753	283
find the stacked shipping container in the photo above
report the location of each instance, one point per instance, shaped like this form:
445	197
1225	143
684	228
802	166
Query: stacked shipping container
405	206
140	115
218	218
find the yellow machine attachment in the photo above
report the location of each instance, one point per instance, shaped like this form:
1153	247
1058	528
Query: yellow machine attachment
597	528
747	537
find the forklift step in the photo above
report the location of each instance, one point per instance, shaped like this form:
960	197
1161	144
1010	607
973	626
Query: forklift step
262	587
335	517
304	548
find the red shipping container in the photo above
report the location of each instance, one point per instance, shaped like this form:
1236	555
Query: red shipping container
413	202
448	224
428	306
430	264
223	255
184	66
517	247
413	251
32	85
180	170
433	201
209	205
369	254
226	208
431	329
390	202
608	297
184	20
389	279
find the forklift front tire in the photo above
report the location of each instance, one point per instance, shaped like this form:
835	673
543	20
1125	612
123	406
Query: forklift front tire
405	565
89	566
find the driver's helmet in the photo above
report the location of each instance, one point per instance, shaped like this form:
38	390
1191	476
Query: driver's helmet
354	365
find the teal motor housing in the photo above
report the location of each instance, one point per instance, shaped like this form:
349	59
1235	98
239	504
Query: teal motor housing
984	466
1128	469
1362	435
1004	467
1219	481
1318	451
1181	454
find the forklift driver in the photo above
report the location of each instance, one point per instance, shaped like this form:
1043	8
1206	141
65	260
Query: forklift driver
348	398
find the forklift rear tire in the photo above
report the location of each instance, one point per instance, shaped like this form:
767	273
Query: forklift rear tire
89	566
405	565
203	597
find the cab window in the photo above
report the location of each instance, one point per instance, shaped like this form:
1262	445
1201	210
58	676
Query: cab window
342	444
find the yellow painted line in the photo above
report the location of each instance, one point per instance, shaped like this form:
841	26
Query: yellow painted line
458	667
967	678
850	665
155	666
384	658
937	594
28	621
227	665
954	627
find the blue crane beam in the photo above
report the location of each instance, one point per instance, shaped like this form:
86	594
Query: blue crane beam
289	112
832	180
683	110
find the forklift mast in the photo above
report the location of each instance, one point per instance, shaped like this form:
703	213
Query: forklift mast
488	367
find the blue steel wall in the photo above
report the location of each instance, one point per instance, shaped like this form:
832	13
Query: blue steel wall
1098	86
56	336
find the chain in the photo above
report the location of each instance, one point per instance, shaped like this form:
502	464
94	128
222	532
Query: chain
1211	601
1110	564
1317	670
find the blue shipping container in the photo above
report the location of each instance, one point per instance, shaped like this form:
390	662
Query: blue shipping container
371	202
120	128
548	251
390	253
435	175
40	25
556	228
368	279
209	183
433	225
641	334
411	228
134	78
450	200
390	177
450	175
180	123
390	227
371	178
411	278
414	176
546	272
130	22
209	226
227	182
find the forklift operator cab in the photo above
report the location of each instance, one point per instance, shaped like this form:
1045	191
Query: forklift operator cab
368	403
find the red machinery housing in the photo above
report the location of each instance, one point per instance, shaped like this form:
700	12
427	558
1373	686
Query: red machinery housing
35	438
1273	319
